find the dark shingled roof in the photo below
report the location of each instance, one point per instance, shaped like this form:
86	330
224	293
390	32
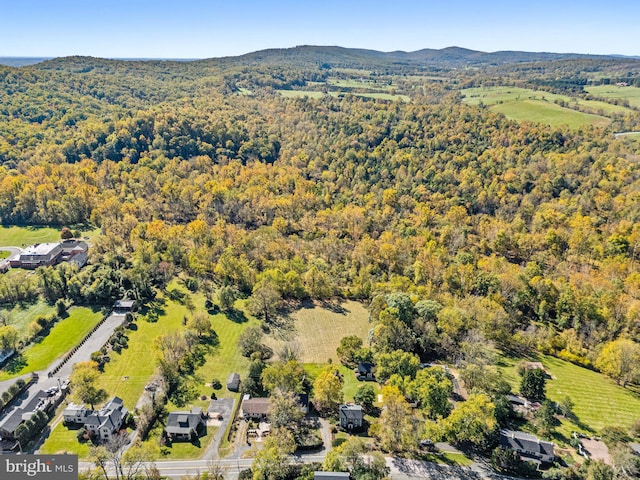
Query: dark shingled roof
183	423
525	443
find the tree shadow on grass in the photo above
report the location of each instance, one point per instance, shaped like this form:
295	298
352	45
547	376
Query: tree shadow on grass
236	316
16	364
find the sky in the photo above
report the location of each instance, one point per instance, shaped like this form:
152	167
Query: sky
205	29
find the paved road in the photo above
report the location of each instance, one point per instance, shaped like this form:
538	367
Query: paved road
93	344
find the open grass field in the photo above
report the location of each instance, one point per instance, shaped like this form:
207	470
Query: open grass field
22	236
64	335
524	104
318	330
313	94
631	94
599	402
21	316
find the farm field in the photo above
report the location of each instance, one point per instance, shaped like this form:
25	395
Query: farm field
63	337
21	316
318	330
524	104
631	94
16	236
314	94
599	402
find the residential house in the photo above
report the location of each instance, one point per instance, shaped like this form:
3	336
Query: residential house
351	416
530	447
183	425
76	413
108	420
233	382
364	371
255	408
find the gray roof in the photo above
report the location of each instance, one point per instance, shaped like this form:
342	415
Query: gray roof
124	303
635	447
351	412
184	422
110	416
39	249
233	381
256	406
331	475
365	367
525	443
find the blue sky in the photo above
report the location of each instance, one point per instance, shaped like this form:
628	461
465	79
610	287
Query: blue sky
201	29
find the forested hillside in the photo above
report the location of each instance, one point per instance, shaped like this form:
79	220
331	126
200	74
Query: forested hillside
524	234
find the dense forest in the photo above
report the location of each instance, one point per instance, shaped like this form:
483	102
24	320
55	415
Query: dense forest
518	234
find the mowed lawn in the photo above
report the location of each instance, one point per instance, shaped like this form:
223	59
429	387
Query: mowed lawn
318	330
599	402
16	236
64	335
21	316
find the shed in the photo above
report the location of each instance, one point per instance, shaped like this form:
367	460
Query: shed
233	382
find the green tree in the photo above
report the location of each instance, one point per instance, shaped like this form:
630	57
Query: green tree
8	337
472	421
84	382
533	384
283	376
271	460
365	396
353	456
227	296
432	388
546	420
620	360
285	411
265	300
327	390
397	362
200	323
397	429
348	348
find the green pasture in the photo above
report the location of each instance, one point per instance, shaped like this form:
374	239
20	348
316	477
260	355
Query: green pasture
524	104
64	335
598	400
313	94
631	94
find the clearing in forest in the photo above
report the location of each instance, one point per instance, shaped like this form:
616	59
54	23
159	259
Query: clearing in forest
318	328
523	104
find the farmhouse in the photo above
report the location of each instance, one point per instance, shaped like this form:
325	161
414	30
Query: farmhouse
108	420
364	371
74	251
184	425
351	416
255	408
530	447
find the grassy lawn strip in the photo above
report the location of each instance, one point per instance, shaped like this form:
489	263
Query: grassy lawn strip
599	402
65	334
64	440
21	316
16	236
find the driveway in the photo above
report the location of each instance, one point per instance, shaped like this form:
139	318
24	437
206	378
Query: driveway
14	252
223	406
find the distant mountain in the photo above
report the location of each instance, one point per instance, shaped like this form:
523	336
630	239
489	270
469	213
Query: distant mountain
447	57
22	61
